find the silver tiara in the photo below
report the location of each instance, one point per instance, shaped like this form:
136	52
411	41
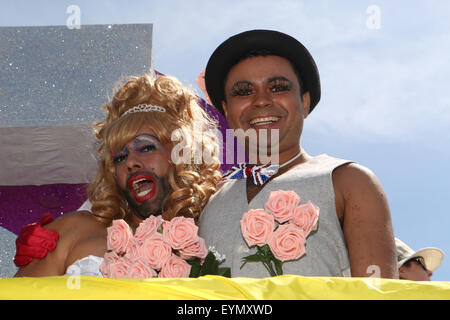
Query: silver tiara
144	108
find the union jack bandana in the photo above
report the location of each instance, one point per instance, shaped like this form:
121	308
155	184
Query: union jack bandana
258	174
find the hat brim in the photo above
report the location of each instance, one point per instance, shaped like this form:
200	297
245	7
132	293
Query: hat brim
233	49
433	257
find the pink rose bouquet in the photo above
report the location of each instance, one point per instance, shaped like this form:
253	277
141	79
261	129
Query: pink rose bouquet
279	231
158	248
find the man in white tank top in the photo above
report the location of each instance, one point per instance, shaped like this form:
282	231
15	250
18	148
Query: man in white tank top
263	79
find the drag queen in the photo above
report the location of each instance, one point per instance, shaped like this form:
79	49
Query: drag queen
148	166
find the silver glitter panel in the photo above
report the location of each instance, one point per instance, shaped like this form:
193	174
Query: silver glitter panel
59	76
7	252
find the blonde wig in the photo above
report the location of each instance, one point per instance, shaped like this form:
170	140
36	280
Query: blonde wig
192	182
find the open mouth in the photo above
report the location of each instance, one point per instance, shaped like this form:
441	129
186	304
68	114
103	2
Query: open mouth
142	187
260	121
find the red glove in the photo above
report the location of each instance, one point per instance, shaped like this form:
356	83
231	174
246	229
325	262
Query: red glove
35	241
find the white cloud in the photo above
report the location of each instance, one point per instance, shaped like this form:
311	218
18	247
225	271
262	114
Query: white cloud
380	83
392	88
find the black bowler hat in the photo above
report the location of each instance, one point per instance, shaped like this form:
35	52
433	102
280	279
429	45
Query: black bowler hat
233	49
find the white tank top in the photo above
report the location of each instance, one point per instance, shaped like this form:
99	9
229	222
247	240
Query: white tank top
326	251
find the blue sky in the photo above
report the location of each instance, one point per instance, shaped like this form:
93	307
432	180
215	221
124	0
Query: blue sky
385	97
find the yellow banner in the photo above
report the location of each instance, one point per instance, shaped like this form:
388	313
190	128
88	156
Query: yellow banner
285	287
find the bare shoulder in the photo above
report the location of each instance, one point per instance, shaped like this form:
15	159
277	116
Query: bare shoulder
77	230
357	185
75	222
352	175
353	185
72	228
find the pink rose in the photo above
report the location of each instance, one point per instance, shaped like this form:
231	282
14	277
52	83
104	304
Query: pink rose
108	258
119	269
180	232
140	269
257	227
119	234
306	217
281	204
175	267
287	242
148	227
155	251
133	249
197	249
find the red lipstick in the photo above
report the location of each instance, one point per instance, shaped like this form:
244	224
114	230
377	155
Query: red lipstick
142	187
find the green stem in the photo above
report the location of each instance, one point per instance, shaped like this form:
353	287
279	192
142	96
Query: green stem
270	268
267	262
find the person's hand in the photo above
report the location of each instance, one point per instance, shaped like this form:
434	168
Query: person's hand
35	241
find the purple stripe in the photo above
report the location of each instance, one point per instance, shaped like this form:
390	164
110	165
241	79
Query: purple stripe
20	205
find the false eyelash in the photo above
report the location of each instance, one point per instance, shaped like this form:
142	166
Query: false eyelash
116	158
124	151
240	88
140	148
283	84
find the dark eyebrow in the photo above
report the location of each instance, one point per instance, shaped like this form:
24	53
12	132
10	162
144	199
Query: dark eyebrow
278	78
